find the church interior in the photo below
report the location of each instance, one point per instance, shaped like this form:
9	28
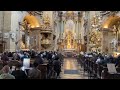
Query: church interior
64	44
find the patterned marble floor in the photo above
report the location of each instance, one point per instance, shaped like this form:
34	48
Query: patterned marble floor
71	70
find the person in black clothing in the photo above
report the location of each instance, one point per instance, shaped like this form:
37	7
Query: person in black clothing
4	57
10	54
39	60
18	73
57	65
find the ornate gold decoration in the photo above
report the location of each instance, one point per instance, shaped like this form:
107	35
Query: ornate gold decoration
96	22
70	14
46	19
95	38
22	45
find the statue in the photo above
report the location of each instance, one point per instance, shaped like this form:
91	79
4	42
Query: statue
68	41
46	20
114	41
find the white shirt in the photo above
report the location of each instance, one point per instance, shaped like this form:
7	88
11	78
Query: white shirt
98	60
53	56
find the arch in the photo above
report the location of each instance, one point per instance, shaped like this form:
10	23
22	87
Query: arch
32	20
112	20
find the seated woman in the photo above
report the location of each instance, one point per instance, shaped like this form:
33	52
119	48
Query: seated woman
5	73
18	73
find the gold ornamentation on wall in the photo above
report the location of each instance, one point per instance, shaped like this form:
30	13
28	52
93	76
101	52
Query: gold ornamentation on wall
95	38
46	19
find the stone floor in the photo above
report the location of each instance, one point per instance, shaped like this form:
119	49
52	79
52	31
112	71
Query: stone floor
71	70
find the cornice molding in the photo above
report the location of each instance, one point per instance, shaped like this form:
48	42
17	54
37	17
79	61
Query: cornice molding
108	13
40	13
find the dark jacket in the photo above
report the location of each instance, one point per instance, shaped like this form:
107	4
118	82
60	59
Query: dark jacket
19	74
57	65
4	58
39	60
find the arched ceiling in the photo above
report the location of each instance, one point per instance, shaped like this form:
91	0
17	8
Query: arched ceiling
112	20
32	20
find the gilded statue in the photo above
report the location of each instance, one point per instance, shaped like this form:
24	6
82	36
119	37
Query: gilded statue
46	19
69	40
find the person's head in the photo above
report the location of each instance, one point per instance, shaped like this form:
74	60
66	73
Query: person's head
5	53
6	69
18	66
35	64
25	53
56	58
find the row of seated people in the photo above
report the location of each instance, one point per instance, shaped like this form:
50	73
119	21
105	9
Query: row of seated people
96	65
8	72
18	55
48	70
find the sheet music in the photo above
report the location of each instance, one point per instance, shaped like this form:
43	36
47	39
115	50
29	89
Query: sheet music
111	68
26	62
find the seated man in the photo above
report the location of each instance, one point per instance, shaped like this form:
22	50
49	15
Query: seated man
18	73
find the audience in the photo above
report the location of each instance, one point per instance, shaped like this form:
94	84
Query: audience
50	60
53	61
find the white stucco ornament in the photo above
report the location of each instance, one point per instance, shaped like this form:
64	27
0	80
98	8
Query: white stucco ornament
6	35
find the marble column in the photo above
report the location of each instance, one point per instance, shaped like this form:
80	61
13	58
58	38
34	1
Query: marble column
105	41
37	41
52	41
26	37
88	30
62	26
40	37
77	29
58	29
28	42
75	26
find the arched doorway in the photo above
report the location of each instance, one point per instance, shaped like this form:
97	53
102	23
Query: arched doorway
111	34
